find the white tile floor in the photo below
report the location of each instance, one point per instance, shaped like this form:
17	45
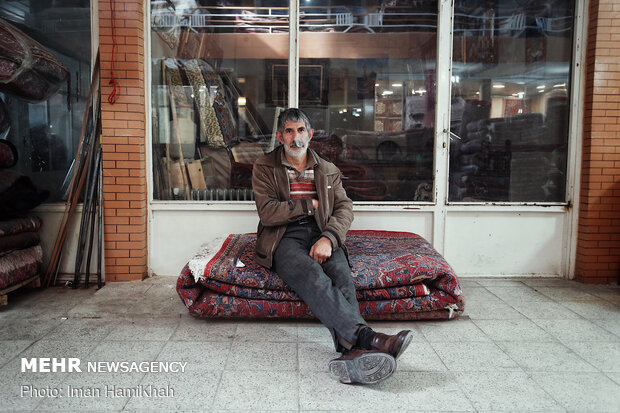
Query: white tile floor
532	344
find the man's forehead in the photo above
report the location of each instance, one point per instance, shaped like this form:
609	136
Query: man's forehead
294	124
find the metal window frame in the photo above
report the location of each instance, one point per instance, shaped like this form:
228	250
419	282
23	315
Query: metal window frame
440	207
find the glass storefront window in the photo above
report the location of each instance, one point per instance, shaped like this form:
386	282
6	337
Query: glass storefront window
510	100
216	84
45	95
367	80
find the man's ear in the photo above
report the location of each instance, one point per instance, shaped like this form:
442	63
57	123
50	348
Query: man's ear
279	136
310	133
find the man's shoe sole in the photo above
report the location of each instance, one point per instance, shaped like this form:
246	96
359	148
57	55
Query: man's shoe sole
367	368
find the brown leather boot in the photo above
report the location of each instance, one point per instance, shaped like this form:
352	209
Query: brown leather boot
362	366
394	345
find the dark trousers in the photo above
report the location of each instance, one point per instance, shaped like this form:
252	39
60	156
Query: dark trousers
326	288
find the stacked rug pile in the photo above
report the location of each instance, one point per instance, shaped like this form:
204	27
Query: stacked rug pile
20	254
397	275
20	250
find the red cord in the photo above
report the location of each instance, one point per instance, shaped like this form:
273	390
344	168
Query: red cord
112	96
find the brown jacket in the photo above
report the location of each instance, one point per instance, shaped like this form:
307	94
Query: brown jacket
275	209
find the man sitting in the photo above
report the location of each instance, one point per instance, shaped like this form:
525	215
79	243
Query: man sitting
304	216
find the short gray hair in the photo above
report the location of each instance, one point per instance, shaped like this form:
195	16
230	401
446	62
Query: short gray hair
292	115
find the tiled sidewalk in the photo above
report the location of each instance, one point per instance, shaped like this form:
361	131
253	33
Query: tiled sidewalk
530	344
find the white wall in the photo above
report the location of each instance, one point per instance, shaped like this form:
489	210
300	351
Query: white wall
483	243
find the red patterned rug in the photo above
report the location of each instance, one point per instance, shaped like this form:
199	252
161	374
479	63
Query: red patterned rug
397	275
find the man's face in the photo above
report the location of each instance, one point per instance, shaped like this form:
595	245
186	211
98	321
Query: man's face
295	138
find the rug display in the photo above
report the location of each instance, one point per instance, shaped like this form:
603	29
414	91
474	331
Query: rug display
21	255
397	275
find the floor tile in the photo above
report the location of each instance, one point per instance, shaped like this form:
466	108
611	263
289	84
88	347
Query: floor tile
93	392
495	282
473	357
480	294
207	355
498	310
425	391
262	356
603	355
29	329
420	356
551	357
595	309
586	392
126	351
518	293
198	329
609	293
614	376
86	329
313	331
11	348
547	282
315	356
269	330
575	330
563	293
513	330
257	390
186	391
506	391
457	330
544	310
613	326
394	327
140	329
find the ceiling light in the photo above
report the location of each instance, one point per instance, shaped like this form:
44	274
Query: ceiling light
387	92
397	84
560	85
499	86
241	101
540	87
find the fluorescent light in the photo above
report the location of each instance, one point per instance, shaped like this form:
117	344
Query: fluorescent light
376	85
560	85
499	85
241	101
540	87
397	84
387	92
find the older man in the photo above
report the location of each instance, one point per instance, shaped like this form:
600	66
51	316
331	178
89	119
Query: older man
304	216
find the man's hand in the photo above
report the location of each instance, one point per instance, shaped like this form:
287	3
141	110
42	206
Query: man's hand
321	250
315	203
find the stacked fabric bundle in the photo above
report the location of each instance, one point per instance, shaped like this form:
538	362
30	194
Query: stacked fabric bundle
20	252
398	275
21	255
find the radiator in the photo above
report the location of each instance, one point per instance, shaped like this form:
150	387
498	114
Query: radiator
227	194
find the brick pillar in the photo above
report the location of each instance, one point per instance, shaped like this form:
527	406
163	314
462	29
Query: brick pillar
598	238
124	159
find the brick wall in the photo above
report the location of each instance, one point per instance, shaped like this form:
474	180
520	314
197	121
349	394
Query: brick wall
598	240
123	142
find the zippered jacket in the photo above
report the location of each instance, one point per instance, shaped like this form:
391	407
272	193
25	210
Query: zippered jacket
275	209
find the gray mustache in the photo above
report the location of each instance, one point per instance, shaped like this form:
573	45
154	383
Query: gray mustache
298	143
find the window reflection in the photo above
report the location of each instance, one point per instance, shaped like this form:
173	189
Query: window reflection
44	109
217	81
511	67
375	120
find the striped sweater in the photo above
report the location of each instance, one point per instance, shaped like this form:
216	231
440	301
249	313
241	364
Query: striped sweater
302	183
